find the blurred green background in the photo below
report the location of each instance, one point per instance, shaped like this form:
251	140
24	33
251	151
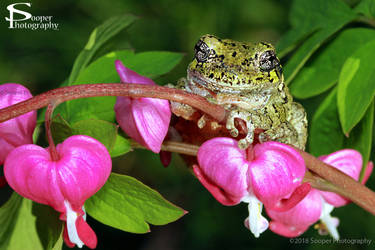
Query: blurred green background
41	60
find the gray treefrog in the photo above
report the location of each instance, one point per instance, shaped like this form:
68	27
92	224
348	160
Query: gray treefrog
247	80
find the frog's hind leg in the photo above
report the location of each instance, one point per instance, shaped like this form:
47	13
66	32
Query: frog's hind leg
293	131
297	118
284	133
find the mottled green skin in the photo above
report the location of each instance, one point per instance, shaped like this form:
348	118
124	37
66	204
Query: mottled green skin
247	80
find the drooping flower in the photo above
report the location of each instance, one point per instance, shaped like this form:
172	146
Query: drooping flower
19	130
146	120
318	205
269	173
83	167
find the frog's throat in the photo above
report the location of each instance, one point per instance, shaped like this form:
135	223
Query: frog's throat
221	87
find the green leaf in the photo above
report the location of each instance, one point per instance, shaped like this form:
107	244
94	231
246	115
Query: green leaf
307	17
301	56
48	225
9	213
25	235
367	8
361	137
60	129
98	37
356	88
122	146
127	204
103	131
323	71
150	64
325	134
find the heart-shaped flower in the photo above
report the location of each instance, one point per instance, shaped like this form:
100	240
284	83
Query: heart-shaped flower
318	205
19	130
269	173
146	120
83	167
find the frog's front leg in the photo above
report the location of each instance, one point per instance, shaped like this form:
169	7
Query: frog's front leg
180	109
246	117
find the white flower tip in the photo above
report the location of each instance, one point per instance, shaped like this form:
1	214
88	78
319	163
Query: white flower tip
71	217
256	223
330	223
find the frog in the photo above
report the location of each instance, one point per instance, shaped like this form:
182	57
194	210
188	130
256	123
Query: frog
247	80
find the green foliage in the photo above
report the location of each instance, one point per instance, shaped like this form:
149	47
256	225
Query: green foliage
325	134
367	8
321	19
323	70
8	218
322	53
98	37
35	226
325	55
127	204
48	225
150	64
356	80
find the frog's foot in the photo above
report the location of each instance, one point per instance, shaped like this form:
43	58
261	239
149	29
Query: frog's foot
230	125
180	109
202	121
183	110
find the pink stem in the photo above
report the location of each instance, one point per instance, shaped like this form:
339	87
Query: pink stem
48	120
112	89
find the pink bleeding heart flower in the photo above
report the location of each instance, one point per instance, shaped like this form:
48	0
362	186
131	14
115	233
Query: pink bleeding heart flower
83	167
269	173
146	120
318	205
19	130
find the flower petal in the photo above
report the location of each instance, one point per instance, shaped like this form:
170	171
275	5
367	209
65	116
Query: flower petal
86	234
330	222
218	193
295	221
256	223
82	169
286	230
225	166
129	76
369	168
19	130
275	172
348	161
152	117
146	120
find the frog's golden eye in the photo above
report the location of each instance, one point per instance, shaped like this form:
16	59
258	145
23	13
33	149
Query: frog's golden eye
268	61
202	51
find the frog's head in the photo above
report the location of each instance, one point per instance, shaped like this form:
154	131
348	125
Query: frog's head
224	65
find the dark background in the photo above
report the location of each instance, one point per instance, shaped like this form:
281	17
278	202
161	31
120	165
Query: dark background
42	60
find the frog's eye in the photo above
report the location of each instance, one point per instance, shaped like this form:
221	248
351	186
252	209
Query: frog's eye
268	61
202	51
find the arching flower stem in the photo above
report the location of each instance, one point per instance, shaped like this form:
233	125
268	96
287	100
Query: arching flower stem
342	184
48	121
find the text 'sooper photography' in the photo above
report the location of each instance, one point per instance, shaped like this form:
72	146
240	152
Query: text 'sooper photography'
187	125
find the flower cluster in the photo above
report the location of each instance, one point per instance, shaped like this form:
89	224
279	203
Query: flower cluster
82	168
271	174
266	174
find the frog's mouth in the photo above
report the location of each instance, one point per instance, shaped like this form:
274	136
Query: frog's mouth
216	86
209	84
